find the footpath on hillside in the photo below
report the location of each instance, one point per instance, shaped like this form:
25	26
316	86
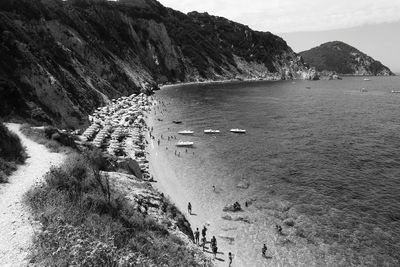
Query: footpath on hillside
16	230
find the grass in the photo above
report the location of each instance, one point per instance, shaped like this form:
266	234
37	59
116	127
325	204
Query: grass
11	153
85	224
43	136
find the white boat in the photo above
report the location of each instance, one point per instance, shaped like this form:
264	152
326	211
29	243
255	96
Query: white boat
211	131
366	79
186	132
184	143
395	92
238	131
363	90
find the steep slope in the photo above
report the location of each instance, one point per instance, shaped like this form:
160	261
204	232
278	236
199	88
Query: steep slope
344	59
62	59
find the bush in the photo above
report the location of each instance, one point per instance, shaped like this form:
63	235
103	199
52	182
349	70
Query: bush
11	148
48	137
84	224
11	153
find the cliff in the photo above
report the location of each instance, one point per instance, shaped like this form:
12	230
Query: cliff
62	59
343	59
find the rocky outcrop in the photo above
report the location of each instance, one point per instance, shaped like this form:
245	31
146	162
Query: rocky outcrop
334	58
62	59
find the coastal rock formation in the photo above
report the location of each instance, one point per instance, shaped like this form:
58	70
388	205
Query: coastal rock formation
339	58
62	59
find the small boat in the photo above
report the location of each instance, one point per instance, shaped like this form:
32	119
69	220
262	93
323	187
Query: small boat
363	90
184	144
308	87
395	91
186	132
238	131
177	122
366	79
211	131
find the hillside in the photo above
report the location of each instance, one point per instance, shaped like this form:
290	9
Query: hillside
63	59
343	59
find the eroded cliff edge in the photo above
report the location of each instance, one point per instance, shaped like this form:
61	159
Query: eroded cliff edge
62	59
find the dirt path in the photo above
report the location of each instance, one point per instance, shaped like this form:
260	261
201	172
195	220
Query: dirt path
16	230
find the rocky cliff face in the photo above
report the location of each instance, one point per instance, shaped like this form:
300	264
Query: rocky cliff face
343	59
62	59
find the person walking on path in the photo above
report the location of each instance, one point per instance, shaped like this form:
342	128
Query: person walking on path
197	236
203	241
204	231
264	250
230	256
190	208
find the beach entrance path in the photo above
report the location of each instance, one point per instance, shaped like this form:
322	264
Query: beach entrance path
16	230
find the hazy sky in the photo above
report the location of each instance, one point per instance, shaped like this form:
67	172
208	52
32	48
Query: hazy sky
286	16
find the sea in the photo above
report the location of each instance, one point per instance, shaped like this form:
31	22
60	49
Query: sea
319	158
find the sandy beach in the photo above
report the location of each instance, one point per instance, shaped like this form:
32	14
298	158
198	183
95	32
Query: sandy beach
203	214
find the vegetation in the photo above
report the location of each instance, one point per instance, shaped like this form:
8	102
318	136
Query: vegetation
49	137
11	152
86	223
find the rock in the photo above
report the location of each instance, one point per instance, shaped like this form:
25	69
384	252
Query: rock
245	219
62	137
233	207
228	238
244	184
227	217
129	166
289	222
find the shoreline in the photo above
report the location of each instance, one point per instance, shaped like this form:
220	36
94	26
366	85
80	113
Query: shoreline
168	183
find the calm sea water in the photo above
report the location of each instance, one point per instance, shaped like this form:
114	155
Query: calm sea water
321	158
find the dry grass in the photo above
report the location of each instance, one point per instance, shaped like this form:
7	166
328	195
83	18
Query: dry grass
84	224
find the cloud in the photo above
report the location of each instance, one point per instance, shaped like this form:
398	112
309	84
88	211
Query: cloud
295	15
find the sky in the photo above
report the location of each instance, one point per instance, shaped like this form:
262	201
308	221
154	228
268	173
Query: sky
304	23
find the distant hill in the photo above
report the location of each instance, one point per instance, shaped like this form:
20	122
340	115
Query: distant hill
342	58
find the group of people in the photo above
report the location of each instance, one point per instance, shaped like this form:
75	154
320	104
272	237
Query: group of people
213	241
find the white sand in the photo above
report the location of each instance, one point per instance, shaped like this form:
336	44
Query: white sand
168	183
16	229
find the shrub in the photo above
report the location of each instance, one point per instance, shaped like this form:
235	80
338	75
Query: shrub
11	148
84	224
49	139
11	153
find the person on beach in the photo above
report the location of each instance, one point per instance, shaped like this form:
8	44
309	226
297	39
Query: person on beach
213	241
203	242
230	257
204	231
190	208
279	229
197	236
215	251
264	250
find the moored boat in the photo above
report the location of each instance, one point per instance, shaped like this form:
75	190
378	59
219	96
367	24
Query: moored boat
184	143
186	132
238	130
211	131
395	91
